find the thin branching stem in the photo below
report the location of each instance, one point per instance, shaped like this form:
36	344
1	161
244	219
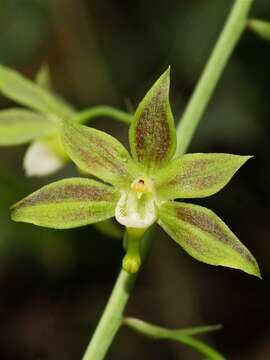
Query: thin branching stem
103	111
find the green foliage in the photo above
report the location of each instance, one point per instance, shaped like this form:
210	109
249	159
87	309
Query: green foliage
184	336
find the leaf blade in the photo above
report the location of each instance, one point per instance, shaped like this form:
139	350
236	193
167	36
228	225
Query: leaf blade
19	126
204	236
67	204
152	132
98	153
197	175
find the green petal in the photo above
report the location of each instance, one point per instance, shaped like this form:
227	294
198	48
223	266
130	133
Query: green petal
25	92
205	236
197	175
18	126
98	154
152	133
67	204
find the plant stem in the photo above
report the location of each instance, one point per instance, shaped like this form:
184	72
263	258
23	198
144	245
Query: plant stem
103	110
112	316
213	70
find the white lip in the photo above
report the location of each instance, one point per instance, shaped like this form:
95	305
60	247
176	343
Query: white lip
127	211
39	160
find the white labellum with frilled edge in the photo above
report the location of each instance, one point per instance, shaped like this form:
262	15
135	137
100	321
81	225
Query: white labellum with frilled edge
137	206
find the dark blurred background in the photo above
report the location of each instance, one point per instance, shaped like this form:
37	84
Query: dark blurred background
54	284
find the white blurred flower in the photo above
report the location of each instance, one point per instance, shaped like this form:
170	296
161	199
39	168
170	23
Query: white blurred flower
40	160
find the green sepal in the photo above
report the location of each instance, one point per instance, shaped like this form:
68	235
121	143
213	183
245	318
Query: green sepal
67	204
43	77
25	92
152	134
260	27
197	175
204	236
98	154
19	126
184	336
109	228
54	143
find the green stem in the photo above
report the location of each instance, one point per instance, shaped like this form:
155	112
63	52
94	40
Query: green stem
103	110
213	70
112	316
184	336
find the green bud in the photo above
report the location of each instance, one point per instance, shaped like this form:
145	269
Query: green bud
132	260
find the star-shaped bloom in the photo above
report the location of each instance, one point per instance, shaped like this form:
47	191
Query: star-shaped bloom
37	123
140	189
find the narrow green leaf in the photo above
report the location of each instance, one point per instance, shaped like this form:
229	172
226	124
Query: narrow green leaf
152	133
19	126
205	236
67	204
197	175
25	92
158	332
260	27
98	154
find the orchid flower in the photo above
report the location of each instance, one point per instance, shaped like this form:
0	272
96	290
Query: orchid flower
37	124
141	189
